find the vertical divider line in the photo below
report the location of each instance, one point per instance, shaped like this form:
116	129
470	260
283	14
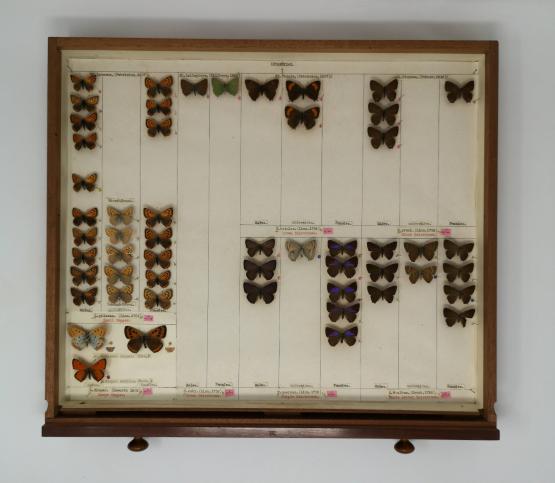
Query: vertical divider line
240	220
361	339
208	232
437	220
399	239
140	210
176	240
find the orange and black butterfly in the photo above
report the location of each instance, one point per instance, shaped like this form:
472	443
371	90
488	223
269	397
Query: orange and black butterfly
88	237
117	294
380	91
84	371
153	216
79	103
163	238
454	293
455	92
163	86
255	89
81	297
153	127
88	256
161	279
86	82
387	114
83	276
308	117
388	138
87	183
87	122
461	271
115	275
164	106
162	300
200	87
151	339
88	217
88	141
125	254
378	293
296	90
163	259
452	316
416	272
254	247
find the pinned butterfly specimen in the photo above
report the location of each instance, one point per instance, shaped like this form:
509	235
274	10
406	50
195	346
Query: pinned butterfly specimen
81	338
155	87
254	270
86	122
338	248
454	293
416	273
378	293
308	117
164	106
115	275
86	82
379	114
256	89
379	271
200	87
376	250
255	292
84	276
80	297
94	371
119	294
88	103
124	216
89	141
161	279
266	247
163	259
348	312
163	238
162	299
153	217
296	90
88	217
347	292
461	271
87	183
455	92
381	91
347	267
151	339
220	87
335	336
117	236
88	256
124	255
377	137
296	249
452	249
452	316
88	237
428	250
153	127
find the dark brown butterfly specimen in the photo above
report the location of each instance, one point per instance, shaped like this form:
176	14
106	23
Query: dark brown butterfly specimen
80	297
347	267
452	316
88	237
87	183
461	271
153	216
164	106
380	91
88	256
335	336
162	299
416	273
88	103
256	89
163	238
88	141
163	259
382	271
200	87
163	86
153	127
295	116
86	122
428	250
254	247
338	248
151	339
88	217
378	293
348	312
84	276
161	279
347	292
254	270
296	90
455	92
379	114
86	82
376	250
452	249
255	292
454	293
388	138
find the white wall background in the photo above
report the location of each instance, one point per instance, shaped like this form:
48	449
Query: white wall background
526	392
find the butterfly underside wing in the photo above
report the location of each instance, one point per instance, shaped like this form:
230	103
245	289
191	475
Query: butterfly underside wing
255	292
162	300
114	275
84	371
153	339
461	271
378	293
125	254
414	251
81	338
200	87
452	316
120	294
220	87
296	249
452	249
119	236
338	292
335	336
455	92
377	251
416	273
454	293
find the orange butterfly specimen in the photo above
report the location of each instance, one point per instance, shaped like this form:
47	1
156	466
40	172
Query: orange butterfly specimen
154	127
116	294
152	216
162	279
296	90
79	103
88	217
163	238
124	255
86	82
84	371
88	237
88	142
87	183
164	106
87	122
162	300
151	339
115	275
163	259
80	297
163	86
87	257
124	216
117	236
82	276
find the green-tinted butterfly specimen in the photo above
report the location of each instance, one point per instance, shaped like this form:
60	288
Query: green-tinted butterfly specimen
455	92
454	293
387	138
379	114
416	272
256	89
220	87
461	271
296	249
381	91
200	87
415	251
452	316
452	249
81	338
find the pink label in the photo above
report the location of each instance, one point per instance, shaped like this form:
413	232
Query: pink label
445	231
229	392
331	393
445	395
327	230
148	318
147	391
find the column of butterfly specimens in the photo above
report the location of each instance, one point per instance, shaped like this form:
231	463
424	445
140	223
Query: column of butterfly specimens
308	95
84	117
258	268
383	129
381	273
158	105
415	251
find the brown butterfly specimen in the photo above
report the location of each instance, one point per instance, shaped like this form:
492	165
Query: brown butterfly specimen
84	370
452	316
164	106
115	275
87	183
163	259
163	238
124	255
461	271
388	138
455	92
162	300
119	294
255	89
88	256
124	216
254	247
415	251
255	292
308	117
88	237
117	236
86	122
84	276
416	273
452	249
254	270
88	103
379	114
378	293
382	271
89	141
454	293
200	87
87	296
348	312
296	90
376	250
86	82
161	279
154	127
151	339
163	86
88	217
153	217
380	91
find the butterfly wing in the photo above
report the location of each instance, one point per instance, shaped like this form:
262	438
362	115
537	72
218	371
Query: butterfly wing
375	271
429	250
451	248
253	247
79	336
153	338
309	249
333	265
165	238
467	91
375	137
253	88
165	126
96	336
465	271
351	311
390	114
390	137
268	246
294	249
350	291
135	337
97	370
375	293
388	294
252	291
349	267
164	278
270	88
376	113
350	335
293	116
77	274
451	317
201	87
233	86
334	292
151	298
218	87
267	269
389	271
334	311
377	90
187	87
81	369
312	90
294	90
453	91
413	272
333	335
390	90
252	269
268	292
451	292
309	117
428	273
412	250
466	294
164	258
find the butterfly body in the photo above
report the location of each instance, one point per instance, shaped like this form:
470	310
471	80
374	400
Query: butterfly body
307	117
162	299
296	90
338	292
378	293
254	270
200	87
255	292
87	183
377	251
84	371
256	89
452	316
347	267
455	92
254	247
335	336
81	338
153	339
416	272
296	249
220	87
382	271
387	138
163	86
86	83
